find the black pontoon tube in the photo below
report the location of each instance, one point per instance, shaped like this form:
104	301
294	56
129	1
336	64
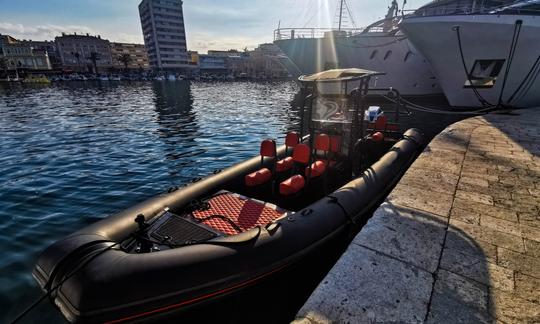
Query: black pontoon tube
117	286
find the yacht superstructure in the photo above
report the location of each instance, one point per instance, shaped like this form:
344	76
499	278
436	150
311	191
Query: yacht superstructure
484	53
380	47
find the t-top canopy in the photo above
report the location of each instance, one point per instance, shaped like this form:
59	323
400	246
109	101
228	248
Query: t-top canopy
338	75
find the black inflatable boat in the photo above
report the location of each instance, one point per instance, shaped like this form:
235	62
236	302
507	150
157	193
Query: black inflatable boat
241	226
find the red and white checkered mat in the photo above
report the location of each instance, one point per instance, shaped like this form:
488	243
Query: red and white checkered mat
245	212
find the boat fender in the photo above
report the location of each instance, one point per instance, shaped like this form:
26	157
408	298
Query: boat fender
172	189
377	137
335	200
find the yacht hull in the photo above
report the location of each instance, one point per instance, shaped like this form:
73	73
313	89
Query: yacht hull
406	70
483	37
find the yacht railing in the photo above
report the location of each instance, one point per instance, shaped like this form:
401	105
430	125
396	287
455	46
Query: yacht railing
441	10
299	33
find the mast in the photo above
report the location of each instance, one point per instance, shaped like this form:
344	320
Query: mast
340	13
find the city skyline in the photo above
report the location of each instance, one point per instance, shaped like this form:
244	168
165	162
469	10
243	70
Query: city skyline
210	24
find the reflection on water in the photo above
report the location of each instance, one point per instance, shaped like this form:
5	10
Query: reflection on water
74	153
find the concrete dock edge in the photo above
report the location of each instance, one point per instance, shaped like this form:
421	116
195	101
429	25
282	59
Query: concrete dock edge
457	240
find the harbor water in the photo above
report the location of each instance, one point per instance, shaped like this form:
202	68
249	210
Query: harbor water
73	153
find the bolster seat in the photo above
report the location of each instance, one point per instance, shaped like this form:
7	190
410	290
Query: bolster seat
258	178
317	169
285	165
292	185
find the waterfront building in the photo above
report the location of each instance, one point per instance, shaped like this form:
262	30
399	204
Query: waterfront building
138	58
19	55
47	46
262	62
211	64
164	34
266	61
84	53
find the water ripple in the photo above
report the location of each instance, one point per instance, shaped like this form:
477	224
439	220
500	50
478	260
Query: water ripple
72	154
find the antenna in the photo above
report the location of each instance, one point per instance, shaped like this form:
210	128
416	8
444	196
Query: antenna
340	13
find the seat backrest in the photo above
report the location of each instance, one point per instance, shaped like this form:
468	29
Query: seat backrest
301	154
335	143
381	122
322	142
292	139
268	148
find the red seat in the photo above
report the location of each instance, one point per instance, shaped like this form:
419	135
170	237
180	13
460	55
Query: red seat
301	154
268	149
295	183
317	169
322	142
291	141
258	178
335	144
292	185
285	165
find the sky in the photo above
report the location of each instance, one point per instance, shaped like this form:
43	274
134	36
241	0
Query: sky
210	24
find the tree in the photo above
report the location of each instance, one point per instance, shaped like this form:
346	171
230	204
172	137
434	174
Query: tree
94	57
125	59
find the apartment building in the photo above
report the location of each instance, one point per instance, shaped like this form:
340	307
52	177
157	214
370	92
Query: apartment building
164	34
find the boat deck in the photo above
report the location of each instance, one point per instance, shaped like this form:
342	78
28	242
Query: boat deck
458	239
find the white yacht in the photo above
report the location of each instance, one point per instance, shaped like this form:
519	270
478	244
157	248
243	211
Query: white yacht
378	47
484	53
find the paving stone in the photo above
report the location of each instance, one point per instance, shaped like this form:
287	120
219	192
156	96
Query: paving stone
369	287
528	288
466	216
500	225
478	269
519	262
474	182
475	196
431	202
489	235
532	248
461	242
483	209
529	219
438	164
468	292
477	175
402	234
511	309
488	190
531	233
447	310
430	180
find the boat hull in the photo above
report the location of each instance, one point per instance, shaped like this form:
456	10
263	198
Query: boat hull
115	286
406	70
483	37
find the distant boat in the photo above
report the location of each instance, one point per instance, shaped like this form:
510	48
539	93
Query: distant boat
159	78
115	78
37	79
103	78
171	77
